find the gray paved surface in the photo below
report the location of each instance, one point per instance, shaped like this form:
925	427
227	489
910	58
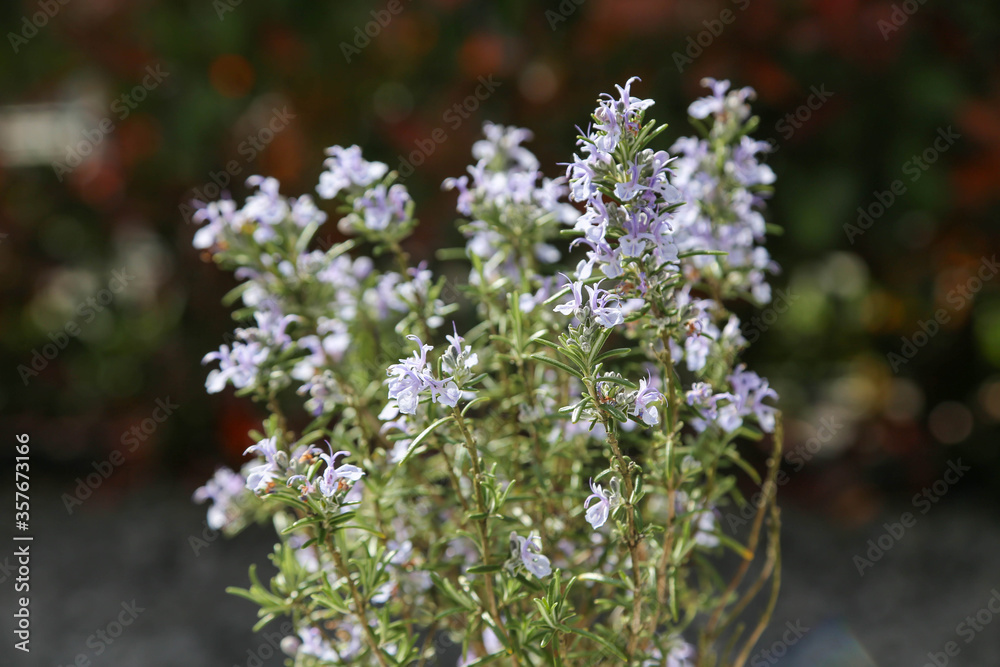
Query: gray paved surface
86	566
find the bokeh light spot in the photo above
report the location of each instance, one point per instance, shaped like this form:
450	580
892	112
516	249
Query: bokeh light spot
906	400
989	399
950	422
231	75
538	83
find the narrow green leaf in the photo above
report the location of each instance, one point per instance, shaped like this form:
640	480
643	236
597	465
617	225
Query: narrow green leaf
557	364
600	640
419	439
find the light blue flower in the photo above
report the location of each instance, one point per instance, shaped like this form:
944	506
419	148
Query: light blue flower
604	307
598	513
346	169
224	490
337	479
528	552
262	475
644	399
238	365
631	188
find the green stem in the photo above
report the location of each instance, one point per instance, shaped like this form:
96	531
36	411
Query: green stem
483	527
358	601
632	538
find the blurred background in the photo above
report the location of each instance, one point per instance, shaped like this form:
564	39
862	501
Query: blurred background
883	341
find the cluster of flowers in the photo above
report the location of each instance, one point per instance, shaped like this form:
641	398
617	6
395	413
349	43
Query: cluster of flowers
746	398
634	225
500	490
345	294
513	210
720	178
412	377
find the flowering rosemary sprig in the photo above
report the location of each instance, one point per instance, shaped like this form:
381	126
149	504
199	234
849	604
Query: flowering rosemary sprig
546	489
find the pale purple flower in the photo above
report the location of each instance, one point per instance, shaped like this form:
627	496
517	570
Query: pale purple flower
747	397
239	365
384	592
221	216
467	357
528	552
605	307
505	142
491	642
272	324
714	103
598	513
628	106
701	396
602	305
224	489
304	212
750	390
266	206
336	479
680	654
580	175
576	300
644	399
729	417
409	378
528	302
727	175
379	208
632	245
706	529
719	101
346	169
631	188
263	474
503	185
466	198
412	377
336	338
